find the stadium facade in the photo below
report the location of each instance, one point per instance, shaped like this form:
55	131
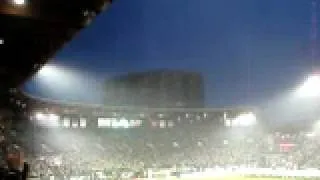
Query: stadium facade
162	88
77	115
96	116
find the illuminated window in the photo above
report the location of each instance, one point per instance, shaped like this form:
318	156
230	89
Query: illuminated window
83	122
19	2
66	122
135	123
162	124
53	120
225	142
75	124
139	122
132	122
40	116
105	122
205	115
122	123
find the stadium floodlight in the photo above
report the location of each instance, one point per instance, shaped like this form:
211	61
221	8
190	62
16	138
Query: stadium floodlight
47	71
19	2
310	88
65	83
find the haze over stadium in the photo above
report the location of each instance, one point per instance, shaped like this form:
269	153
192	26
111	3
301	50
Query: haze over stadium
176	90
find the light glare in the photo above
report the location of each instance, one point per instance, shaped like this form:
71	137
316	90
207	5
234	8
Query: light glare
47	71
311	87
19	2
47	120
247	119
39	116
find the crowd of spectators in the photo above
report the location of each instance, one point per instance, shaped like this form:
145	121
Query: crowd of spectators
68	152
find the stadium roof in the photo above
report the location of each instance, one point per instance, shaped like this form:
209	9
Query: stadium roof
34	30
37	102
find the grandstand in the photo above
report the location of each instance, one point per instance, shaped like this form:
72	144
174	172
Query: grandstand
159	143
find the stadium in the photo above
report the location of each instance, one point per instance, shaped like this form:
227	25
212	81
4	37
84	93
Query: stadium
176	143
65	140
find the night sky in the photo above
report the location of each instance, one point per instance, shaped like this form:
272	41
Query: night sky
248	51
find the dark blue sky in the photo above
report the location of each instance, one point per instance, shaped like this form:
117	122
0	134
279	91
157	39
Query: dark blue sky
248	51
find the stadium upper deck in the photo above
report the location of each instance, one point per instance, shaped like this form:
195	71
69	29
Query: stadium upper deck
221	117
94	113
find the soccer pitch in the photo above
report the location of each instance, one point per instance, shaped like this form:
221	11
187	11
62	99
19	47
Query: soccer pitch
241	178
238	178
244	178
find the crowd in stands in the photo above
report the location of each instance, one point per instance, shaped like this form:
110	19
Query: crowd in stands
67	152
81	151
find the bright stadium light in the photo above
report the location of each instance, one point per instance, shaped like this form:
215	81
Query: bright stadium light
47	71
66	83
19	2
246	119
310	88
39	116
47	120
249	119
